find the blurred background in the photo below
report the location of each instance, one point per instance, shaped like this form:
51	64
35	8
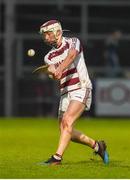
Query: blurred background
104	29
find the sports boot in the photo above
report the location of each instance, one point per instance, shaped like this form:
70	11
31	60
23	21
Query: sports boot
102	151
52	161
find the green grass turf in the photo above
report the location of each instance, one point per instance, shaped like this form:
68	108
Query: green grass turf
26	142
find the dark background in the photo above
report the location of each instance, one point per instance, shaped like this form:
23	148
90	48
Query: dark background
21	93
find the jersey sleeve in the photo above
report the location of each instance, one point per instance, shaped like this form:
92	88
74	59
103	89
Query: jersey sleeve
75	44
47	61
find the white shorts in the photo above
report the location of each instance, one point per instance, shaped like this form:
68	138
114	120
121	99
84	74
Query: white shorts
81	95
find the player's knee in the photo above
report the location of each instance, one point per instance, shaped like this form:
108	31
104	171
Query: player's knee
66	123
66	120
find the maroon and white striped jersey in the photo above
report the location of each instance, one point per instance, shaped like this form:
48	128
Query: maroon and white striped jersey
76	75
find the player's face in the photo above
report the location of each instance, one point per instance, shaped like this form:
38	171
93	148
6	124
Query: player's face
49	38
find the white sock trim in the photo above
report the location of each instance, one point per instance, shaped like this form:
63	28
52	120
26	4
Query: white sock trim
57	157
96	148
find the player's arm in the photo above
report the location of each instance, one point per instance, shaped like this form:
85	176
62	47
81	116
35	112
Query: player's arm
69	59
75	47
66	63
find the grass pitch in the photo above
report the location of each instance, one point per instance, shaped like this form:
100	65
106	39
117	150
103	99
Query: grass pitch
26	142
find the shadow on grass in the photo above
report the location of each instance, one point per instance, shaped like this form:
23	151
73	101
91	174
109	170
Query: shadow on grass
89	162
119	164
112	164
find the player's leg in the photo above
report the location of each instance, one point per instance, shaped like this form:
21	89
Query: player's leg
76	135
85	96
98	146
74	110
81	138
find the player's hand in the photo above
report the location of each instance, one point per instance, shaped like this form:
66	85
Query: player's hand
58	73
51	69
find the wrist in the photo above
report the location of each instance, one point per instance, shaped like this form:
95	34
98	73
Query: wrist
62	68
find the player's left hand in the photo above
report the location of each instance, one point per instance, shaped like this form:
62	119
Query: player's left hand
51	69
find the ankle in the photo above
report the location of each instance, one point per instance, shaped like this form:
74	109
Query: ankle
96	146
57	156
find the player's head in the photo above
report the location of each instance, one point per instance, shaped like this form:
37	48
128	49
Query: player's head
51	32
